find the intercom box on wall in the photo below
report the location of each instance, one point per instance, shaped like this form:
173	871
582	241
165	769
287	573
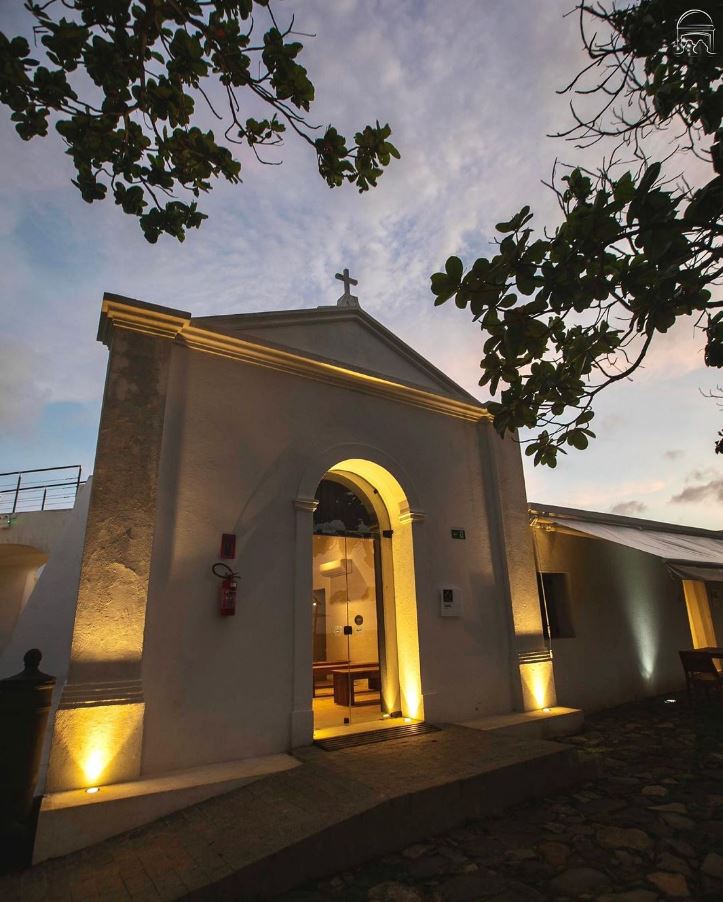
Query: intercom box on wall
450	602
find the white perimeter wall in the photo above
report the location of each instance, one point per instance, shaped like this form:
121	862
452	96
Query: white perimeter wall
237	441
629	618
24	548
46	620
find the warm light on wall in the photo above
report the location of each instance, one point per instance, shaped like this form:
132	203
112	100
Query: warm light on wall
409	684
94	764
697	603
95	744
538	685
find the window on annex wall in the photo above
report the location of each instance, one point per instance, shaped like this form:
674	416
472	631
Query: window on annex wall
552	589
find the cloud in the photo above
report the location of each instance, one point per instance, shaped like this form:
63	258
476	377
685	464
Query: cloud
702	474
469	90
629	508
674	454
599	496
21	395
706	491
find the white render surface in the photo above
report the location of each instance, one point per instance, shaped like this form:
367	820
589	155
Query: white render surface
238	440
352	338
46	620
26	543
629	618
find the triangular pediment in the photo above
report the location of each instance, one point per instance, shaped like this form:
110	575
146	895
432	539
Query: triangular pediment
346	336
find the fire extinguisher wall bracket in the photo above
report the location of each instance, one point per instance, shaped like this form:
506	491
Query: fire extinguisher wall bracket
227	590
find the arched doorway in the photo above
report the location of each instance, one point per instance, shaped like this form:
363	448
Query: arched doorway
396	504
355	676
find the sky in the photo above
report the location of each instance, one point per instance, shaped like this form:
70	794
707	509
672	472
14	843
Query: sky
469	89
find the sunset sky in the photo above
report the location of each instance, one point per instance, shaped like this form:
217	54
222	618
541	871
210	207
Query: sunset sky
469	90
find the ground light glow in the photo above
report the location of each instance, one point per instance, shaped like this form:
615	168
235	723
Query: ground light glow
538	685
94	765
92	789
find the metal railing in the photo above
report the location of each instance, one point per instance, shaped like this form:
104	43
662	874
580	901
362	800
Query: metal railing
49	488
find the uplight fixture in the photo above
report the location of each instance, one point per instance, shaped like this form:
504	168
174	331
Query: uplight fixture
670	701
92	789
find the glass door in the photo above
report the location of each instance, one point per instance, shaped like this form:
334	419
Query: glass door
344	611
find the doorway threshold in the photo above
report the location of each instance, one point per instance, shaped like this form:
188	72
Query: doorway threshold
399	730
367	726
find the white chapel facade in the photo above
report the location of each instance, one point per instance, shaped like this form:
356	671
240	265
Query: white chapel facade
378	527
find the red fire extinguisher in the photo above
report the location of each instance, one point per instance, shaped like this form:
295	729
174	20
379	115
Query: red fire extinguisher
227	590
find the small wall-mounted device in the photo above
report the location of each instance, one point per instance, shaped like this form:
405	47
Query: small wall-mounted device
228	546
450	603
342	567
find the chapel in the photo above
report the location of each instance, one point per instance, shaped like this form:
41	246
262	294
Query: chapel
371	526
297	530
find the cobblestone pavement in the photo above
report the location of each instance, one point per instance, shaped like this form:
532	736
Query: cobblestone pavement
649	828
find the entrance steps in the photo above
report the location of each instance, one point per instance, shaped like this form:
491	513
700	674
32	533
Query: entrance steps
337	810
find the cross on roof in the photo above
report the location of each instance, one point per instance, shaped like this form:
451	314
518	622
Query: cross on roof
347	280
347	299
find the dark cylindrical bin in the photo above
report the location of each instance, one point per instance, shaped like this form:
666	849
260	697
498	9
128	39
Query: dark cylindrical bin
24	705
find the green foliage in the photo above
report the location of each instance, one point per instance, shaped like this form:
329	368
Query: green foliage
133	131
568	314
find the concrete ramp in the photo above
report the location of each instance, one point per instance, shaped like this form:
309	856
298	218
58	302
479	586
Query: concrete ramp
335	811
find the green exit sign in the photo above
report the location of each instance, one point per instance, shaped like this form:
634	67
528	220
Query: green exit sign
458	534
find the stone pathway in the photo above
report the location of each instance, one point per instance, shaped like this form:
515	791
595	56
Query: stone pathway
649	828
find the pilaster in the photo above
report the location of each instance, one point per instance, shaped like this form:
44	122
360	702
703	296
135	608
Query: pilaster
99	724
531	672
302	714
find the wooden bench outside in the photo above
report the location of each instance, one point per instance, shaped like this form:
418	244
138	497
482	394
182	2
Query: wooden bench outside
345	679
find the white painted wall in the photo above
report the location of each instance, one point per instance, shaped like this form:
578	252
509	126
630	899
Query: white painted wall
629	617
334	335
19	568
46	621
39	529
237	441
24	547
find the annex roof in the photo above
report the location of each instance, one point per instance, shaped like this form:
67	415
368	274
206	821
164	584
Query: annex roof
690	552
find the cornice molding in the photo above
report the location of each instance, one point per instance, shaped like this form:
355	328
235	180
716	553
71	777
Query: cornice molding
137	316
407	515
94	695
332	373
177	325
534	656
